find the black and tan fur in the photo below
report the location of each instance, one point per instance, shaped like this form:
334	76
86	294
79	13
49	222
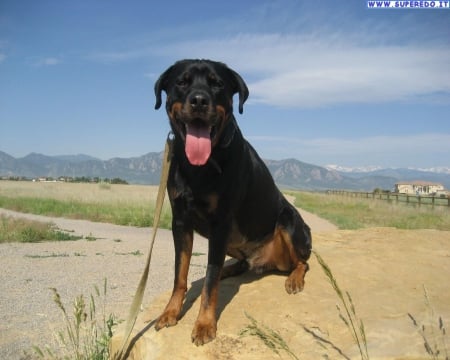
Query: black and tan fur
231	199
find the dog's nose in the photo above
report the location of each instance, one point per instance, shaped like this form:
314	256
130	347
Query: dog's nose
199	101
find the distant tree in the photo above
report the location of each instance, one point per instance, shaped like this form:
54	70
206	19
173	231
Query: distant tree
119	181
380	191
96	180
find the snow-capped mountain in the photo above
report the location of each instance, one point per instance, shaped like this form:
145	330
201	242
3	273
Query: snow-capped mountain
357	169
373	168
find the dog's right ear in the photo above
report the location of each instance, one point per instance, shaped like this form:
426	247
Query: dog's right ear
160	85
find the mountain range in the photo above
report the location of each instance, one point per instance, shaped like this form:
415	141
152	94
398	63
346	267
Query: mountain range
145	169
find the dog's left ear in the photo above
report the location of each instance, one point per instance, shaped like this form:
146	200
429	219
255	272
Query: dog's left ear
160	85
240	87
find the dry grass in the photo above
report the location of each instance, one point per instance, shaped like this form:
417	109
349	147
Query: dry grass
117	204
271	338
86	193
348	314
433	332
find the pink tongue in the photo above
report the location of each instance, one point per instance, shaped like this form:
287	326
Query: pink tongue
198	144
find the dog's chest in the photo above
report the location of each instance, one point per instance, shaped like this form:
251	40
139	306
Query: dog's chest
240	246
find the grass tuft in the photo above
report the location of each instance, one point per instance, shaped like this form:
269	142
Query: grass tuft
29	231
86	334
134	253
270	337
433	333
348	312
46	256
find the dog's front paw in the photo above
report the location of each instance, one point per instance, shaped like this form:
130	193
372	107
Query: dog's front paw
203	332
294	285
168	318
296	280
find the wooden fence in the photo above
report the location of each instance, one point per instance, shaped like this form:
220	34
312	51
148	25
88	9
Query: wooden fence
416	200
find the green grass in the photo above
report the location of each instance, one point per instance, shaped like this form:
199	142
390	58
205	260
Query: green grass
357	213
46	256
90	237
134	253
28	231
115	213
134	206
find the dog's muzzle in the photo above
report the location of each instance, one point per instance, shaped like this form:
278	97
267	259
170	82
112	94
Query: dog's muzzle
198	131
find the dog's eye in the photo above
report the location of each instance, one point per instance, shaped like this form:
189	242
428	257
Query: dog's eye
215	82
184	81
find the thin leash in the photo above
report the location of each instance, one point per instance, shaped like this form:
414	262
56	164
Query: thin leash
139	295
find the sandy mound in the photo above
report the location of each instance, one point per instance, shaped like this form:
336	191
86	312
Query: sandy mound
383	269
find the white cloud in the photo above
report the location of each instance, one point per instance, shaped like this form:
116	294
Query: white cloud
51	61
46	61
429	143
327	55
2	57
319	70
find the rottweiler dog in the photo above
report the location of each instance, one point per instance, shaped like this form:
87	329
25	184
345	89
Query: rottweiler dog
220	188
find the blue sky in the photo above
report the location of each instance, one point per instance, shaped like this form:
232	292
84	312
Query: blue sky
331	82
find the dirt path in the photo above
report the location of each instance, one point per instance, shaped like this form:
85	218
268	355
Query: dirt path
316	223
28	315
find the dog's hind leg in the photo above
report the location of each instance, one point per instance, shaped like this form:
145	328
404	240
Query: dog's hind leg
237	268
296	236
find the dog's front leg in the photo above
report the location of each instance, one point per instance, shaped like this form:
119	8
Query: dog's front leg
206	325
183	240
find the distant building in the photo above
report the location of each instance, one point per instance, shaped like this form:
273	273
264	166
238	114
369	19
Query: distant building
418	188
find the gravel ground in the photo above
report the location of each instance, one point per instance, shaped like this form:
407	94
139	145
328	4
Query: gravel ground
28	315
